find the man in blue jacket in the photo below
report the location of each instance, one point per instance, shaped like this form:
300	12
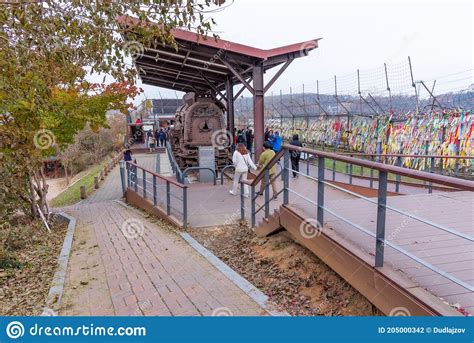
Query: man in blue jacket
277	142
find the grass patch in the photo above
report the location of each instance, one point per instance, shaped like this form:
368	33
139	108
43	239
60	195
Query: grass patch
72	194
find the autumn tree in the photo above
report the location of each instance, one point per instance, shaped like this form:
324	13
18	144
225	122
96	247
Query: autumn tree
47	50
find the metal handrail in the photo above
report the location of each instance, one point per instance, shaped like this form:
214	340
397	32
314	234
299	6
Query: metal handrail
174	165
223	170
188	169
381	202
406	155
416	174
131	183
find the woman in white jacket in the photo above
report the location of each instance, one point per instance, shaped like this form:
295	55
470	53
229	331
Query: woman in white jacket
242	163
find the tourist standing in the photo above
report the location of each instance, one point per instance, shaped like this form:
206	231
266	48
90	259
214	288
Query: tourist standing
242	163
265	158
249	136
162	137
277	142
295	155
241	138
149	136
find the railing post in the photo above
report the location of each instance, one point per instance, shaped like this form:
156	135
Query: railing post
155	200
456	163
350	172
334	167
381	209
267	193
144	183
307	163
135	173
242	200
122	175
129	174
430	185
286	178
168	198
185	207
398	177
371	182
320	190
252	205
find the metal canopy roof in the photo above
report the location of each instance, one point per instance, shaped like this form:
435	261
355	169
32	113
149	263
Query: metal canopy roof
203	65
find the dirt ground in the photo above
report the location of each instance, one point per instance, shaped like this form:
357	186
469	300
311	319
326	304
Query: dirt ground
28	261
293	277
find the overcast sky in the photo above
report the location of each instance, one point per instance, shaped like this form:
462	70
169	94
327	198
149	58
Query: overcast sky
438	35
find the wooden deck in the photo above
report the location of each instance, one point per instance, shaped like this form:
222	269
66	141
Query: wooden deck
213	205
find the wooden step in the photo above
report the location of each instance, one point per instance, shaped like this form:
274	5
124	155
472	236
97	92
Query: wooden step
269	225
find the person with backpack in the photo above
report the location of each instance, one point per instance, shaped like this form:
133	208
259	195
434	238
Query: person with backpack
162	137
241	138
295	155
242	164
265	158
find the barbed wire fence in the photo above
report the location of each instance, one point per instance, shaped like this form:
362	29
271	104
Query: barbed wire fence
383	109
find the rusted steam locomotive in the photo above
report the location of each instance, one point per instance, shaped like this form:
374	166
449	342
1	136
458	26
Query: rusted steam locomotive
200	121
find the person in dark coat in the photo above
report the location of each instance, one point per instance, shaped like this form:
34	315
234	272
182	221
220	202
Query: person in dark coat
295	155
249	136
241	138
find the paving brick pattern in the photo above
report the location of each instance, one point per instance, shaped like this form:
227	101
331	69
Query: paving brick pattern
155	273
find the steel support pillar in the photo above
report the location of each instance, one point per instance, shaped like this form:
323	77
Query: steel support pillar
230	107
258	109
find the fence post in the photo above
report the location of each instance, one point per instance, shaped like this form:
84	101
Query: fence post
129	174
320	190
307	163
350	172
168	198
135	173
144	183
155	200
242	200
252	205
398	177
96	182
381	209
83	192
430	184
334	165
185	207
122	175
267	193
286	178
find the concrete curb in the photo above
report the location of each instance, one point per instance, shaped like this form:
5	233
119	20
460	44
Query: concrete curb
253	292
55	294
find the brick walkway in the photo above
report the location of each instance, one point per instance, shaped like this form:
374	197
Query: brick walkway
143	268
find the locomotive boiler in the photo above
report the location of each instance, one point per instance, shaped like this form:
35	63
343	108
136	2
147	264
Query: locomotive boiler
200	121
